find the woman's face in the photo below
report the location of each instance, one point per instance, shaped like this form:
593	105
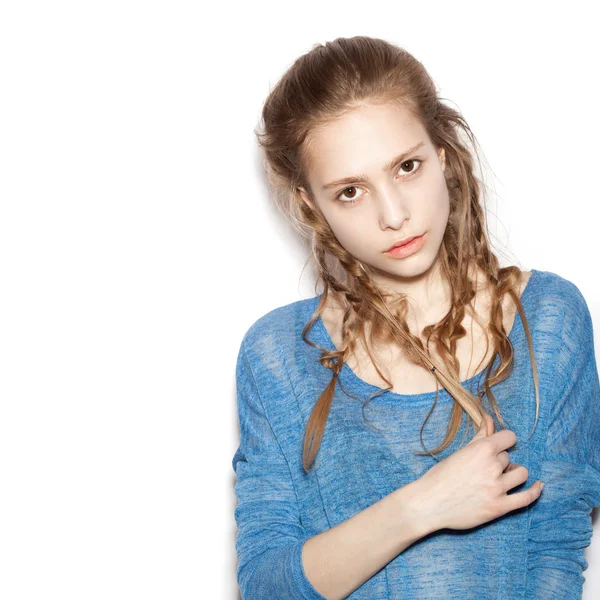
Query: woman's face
388	192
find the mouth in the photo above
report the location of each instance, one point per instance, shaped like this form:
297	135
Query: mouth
403	242
406	247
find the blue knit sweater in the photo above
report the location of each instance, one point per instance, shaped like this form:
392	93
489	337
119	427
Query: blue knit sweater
533	553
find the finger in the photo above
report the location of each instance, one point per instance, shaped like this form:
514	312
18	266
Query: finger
521	499
503	439
481	432
517	475
484	428
504	458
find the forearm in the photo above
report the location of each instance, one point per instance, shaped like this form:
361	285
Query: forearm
339	560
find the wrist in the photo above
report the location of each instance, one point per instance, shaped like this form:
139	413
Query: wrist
416	508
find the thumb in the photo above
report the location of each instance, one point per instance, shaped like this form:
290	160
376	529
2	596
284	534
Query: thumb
486	428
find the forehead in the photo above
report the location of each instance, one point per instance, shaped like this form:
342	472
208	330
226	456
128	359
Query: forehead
362	140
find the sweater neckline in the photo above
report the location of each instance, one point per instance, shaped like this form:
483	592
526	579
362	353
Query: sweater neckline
350	380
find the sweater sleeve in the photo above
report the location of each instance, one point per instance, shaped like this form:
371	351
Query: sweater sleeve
560	523
270	535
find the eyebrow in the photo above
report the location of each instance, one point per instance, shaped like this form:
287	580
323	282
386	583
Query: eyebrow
353	178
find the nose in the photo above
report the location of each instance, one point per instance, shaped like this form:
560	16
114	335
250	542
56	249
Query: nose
393	210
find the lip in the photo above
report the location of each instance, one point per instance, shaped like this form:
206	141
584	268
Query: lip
408	248
403	242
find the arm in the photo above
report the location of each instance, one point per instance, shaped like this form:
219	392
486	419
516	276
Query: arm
276	559
339	560
560	521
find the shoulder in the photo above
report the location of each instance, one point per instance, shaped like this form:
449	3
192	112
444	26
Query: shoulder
278	330
563	321
559	298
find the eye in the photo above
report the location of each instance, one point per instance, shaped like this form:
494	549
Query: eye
351	188
407	163
411	161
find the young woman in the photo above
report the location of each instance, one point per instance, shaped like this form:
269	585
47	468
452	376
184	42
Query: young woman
344	489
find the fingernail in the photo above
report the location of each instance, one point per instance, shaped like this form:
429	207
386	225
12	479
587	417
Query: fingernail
541	486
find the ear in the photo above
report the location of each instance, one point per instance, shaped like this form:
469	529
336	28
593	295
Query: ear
305	197
442	157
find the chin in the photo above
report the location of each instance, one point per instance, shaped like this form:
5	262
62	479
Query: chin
411	266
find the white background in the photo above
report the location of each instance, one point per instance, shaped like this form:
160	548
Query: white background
138	244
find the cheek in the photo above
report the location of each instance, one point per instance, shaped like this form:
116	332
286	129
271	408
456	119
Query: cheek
350	233
347	233
441	204
439	187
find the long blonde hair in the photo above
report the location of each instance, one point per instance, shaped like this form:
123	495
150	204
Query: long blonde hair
322	84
